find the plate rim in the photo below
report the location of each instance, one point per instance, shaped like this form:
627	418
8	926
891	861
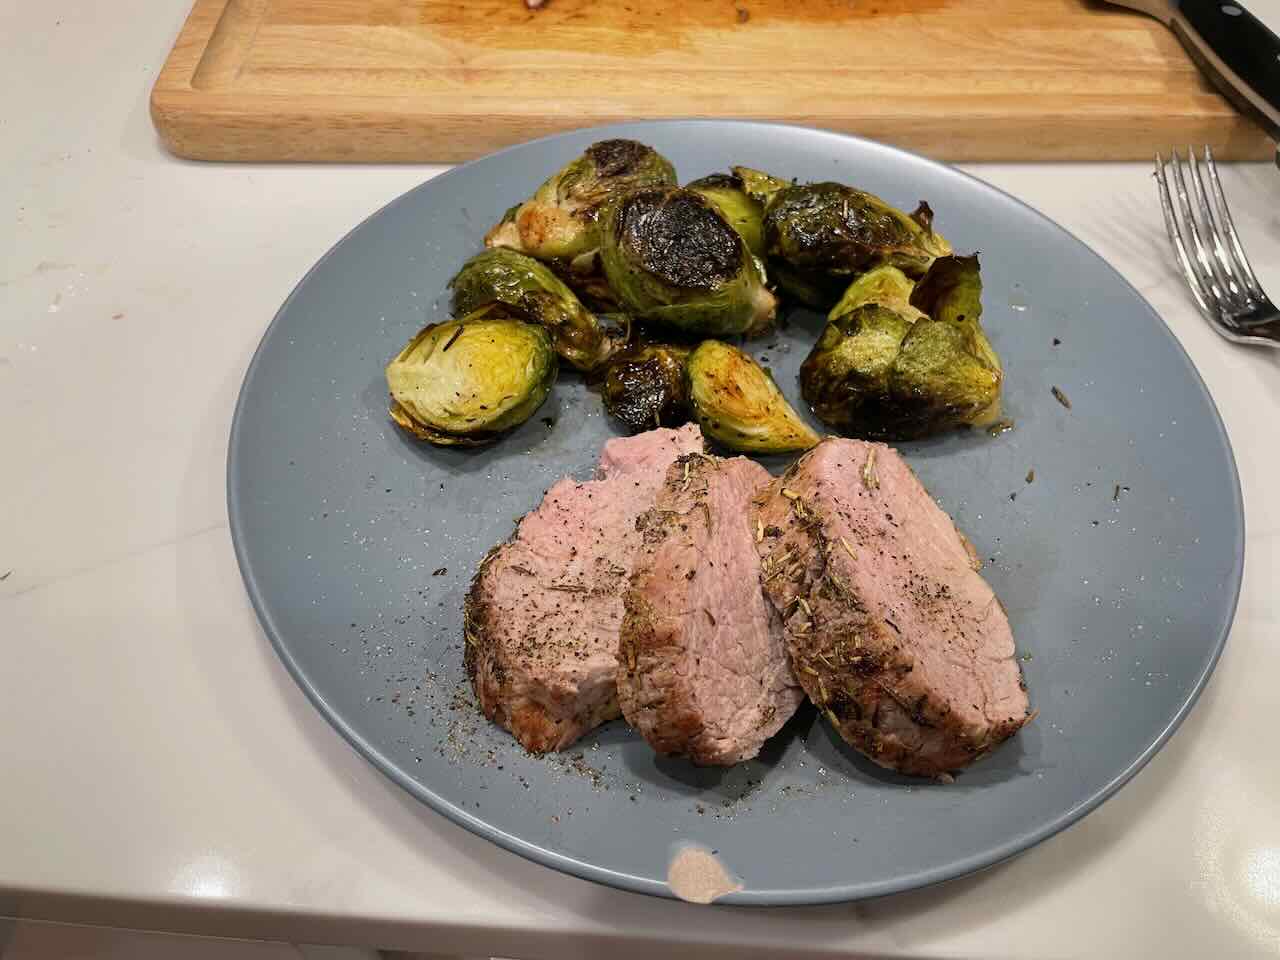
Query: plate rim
760	896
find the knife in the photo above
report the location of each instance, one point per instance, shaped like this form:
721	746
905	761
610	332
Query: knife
1232	47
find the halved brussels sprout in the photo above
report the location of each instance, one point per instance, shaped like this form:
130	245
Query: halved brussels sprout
737	404
645	386
823	234
889	369
530	289
465	382
560	220
671	258
744	212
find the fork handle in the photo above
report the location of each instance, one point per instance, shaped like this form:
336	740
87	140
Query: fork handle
1237	52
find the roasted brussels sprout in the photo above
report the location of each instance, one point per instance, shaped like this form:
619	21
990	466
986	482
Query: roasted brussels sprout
464	382
560	220
887	286
672	259
820	235
761	187
645	386
885	369
744	212
585	277
737	404
951	292
530	289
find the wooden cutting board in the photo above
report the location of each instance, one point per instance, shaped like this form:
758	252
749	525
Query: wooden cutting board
446	80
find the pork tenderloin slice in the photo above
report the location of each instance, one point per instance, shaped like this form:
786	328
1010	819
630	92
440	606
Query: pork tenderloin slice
543	611
891	630
702	669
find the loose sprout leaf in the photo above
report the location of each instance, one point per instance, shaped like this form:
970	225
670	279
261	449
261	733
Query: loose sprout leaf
763	187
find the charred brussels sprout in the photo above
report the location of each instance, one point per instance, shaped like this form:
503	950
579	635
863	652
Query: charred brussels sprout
672	259
737	404
820	235
465	382
530	289
893	368
560	221
744	212
645	386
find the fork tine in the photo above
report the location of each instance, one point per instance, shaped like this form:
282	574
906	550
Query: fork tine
1207	279
1224	212
1224	269
1179	245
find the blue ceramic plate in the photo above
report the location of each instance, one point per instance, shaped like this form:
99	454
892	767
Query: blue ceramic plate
1119	564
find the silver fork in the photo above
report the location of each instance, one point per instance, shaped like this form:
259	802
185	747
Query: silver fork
1218	272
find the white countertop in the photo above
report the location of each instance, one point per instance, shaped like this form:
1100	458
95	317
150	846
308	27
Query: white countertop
158	767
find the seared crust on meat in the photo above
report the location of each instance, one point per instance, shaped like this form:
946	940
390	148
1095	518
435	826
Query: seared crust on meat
673	724
702	671
891	631
540	716
541	617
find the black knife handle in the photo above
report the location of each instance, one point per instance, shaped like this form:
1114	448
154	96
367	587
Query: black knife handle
1244	45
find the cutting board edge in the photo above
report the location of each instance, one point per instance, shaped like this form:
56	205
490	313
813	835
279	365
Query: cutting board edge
197	127
208	124
178	70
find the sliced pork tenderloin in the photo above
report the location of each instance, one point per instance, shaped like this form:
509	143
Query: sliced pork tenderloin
891	630
702	669
543	611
